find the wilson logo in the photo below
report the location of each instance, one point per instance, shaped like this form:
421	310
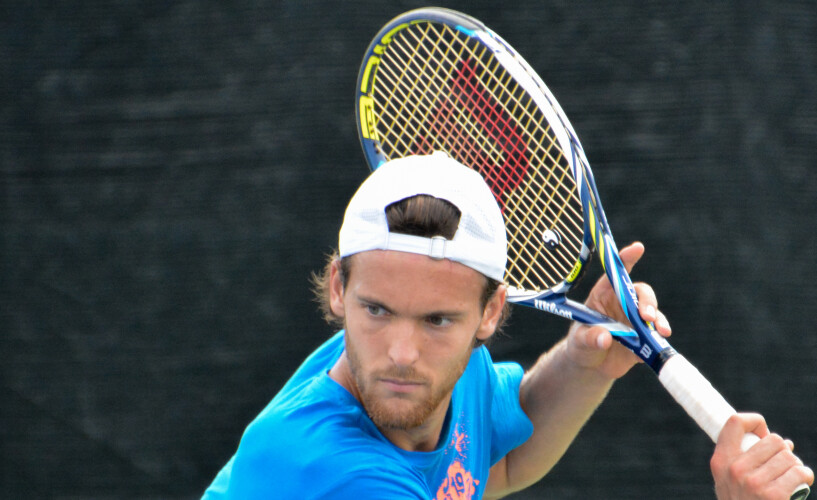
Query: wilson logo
552	308
645	351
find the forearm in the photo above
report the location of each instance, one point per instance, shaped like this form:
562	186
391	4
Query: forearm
568	383
559	397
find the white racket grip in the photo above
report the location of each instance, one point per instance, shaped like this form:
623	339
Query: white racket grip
705	404
696	395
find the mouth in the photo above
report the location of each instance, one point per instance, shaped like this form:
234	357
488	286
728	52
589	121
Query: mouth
400	385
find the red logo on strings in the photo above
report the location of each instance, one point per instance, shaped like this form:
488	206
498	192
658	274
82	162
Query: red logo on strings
493	128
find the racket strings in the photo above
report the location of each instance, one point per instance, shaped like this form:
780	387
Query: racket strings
435	89
447	137
528	258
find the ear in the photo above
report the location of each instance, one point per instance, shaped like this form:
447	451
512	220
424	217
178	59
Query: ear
336	290
492	313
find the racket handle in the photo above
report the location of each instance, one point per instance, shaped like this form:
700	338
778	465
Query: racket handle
705	404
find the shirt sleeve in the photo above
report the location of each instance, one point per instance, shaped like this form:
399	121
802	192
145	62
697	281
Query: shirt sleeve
511	427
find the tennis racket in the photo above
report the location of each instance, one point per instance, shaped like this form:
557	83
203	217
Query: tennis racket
435	79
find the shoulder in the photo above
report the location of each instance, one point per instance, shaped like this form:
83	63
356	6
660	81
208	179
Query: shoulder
336	462
482	369
315	445
311	419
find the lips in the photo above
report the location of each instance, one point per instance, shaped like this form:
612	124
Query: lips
401	386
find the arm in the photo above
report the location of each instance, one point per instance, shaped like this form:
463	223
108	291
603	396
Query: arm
768	470
567	384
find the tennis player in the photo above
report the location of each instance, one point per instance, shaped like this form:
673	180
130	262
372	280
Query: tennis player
405	402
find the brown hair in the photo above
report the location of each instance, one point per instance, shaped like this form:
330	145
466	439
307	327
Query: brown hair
420	215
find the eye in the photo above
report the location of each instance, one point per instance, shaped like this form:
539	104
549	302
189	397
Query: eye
375	310
439	321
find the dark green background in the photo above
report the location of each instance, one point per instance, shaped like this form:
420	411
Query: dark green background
171	173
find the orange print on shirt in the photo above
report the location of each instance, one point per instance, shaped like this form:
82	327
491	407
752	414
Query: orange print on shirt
459	485
460	440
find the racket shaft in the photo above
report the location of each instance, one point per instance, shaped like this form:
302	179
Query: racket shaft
705	404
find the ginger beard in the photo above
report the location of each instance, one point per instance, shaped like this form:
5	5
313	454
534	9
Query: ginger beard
402	411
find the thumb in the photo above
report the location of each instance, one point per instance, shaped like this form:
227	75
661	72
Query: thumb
741	424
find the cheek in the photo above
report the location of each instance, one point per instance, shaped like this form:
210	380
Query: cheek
450	368
360	327
368	347
449	353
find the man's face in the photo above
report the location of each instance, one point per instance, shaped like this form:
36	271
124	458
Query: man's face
411	323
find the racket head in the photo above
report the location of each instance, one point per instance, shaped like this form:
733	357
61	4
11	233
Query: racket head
436	79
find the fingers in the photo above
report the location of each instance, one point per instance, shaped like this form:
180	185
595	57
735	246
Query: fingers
768	469
595	347
588	347
596	338
631	254
777	476
648	303
648	309
777	459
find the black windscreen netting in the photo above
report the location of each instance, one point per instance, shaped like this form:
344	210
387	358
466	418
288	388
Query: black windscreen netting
171	173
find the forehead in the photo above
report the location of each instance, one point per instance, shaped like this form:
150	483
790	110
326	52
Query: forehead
387	273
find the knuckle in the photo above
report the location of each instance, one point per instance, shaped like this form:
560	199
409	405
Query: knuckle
736	472
777	440
755	484
716	464
788	458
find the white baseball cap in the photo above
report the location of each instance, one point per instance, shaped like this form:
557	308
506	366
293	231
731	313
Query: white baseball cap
479	242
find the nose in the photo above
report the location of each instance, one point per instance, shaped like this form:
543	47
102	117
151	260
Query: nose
404	346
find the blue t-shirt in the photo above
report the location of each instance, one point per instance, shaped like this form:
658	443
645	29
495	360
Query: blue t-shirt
315	440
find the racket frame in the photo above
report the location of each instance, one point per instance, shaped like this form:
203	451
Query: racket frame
641	339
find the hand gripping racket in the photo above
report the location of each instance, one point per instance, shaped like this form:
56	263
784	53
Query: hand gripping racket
435	79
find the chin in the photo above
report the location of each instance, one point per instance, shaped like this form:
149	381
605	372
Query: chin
401	415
